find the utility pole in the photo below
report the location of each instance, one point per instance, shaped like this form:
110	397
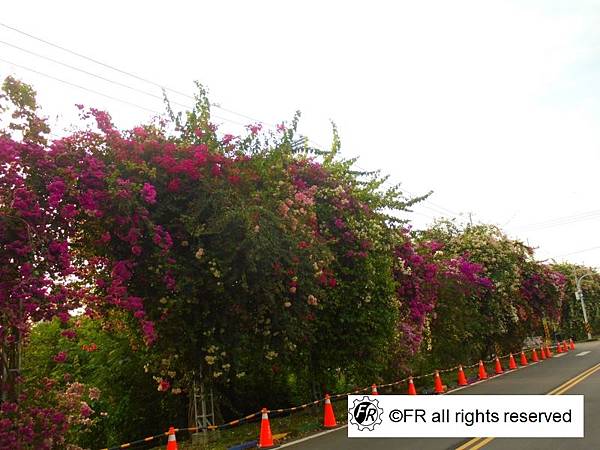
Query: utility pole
579	296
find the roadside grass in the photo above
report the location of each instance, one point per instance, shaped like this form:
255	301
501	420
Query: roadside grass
295	426
310	420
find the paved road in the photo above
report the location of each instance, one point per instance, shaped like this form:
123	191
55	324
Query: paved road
535	379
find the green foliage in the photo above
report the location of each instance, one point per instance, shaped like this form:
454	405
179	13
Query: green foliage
571	323
103	355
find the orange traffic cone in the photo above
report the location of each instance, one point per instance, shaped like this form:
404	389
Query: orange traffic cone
171	440
534	356
482	373
572	344
462	380
512	365
542	353
437	380
411	387
548	352
559	348
565	346
374	389
329	421
265	439
499	368
523	359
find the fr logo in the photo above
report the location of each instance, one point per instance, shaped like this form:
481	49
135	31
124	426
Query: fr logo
365	413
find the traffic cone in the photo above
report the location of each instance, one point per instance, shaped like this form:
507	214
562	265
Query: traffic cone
462	380
171	440
482	373
499	368
548	352
572	344
265	439
411	387
329	421
559	348
374	389
565	346
534	356
542	353
512	365
437	380
523	359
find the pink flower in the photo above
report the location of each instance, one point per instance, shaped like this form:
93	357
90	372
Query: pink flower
63	316
85	410
216	170
174	185
56	189
227	139
149	331
90	348
163	385
94	393
69	334
136	250
68	211
339	223
60	357
255	128
149	193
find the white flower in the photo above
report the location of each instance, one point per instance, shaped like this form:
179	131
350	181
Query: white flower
271	355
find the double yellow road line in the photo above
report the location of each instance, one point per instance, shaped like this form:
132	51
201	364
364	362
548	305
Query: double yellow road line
477	443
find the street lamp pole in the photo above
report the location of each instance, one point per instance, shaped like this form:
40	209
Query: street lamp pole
579	296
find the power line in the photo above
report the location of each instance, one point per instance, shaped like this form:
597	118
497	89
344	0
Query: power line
80	87
576	252
89	73
124	72
117	83
559	221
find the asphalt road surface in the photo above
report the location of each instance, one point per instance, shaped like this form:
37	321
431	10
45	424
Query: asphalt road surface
567	374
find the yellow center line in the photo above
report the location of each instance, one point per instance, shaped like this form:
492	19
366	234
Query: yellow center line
579	380
482	443
468	443
477	443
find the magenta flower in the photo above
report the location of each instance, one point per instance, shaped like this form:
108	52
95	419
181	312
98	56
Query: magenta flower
85	410
149	193
60	357
69	334
174	185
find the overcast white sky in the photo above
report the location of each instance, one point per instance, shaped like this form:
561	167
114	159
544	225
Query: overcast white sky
494	106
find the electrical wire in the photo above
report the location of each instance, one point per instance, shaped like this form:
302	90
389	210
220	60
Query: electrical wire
576	252
79	86
130	74
560	221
